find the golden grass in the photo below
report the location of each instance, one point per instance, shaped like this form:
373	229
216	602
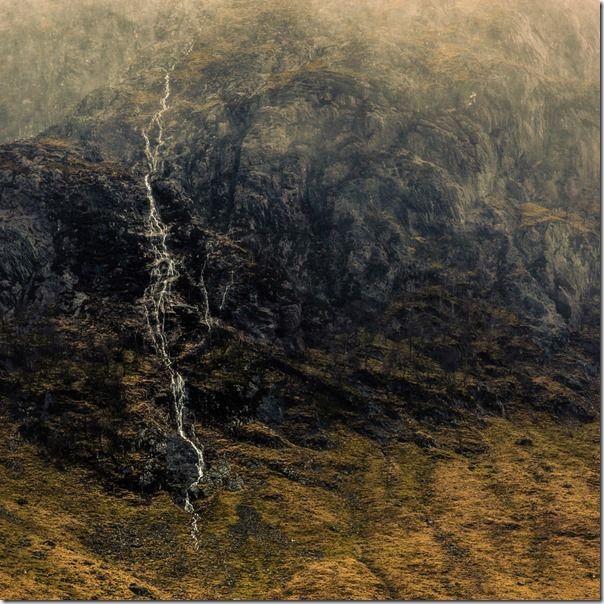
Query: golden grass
533	214
359	522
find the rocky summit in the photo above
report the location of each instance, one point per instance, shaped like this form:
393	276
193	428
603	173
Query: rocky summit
300	300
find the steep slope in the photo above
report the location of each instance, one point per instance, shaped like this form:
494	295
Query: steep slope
380	232
341	159
357	521
56	51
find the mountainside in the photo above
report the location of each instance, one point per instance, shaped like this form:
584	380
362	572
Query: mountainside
56	51
308	298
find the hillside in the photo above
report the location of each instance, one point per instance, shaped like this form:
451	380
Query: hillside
307	298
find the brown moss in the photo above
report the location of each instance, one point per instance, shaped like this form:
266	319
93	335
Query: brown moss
357	521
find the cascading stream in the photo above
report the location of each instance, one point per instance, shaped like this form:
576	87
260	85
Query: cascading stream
158	299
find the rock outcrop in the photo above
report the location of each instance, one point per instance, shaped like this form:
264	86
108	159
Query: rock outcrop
383	226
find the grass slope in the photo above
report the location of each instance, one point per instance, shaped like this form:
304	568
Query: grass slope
475	516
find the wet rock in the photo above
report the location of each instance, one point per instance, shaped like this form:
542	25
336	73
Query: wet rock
180	460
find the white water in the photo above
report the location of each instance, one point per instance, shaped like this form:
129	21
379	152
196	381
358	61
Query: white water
207	317
158	299
227	287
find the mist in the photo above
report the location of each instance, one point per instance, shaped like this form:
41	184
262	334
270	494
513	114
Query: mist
57	51
299	300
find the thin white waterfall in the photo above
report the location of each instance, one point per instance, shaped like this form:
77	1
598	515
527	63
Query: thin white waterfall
159	299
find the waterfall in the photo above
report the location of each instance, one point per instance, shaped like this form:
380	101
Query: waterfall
158	298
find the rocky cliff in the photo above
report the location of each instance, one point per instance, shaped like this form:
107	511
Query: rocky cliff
385	221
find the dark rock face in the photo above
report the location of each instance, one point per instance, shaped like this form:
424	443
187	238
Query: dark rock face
350	183
73	266
72	229
364	236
